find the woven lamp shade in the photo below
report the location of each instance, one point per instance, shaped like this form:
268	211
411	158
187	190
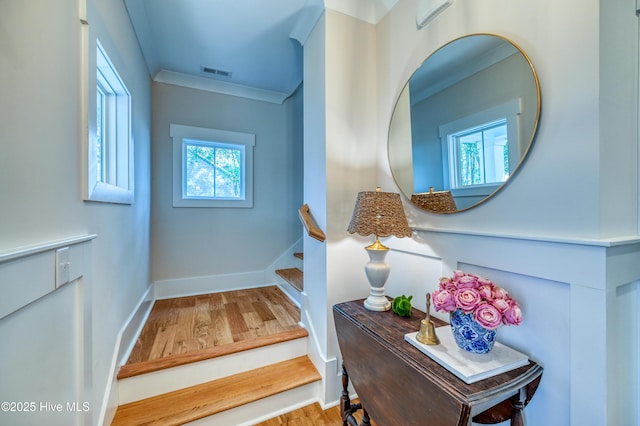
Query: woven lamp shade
435	201
379	213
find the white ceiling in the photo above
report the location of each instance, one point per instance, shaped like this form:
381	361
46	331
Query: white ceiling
257	41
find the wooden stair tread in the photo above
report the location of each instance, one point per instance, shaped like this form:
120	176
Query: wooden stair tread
293	276
196	402
131	370
299	255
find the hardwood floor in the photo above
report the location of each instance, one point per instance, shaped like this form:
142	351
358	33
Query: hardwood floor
190	328
311	415
182	328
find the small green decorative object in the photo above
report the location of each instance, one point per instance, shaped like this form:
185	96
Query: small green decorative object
401	305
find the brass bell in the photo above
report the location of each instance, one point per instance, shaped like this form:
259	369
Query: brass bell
427	333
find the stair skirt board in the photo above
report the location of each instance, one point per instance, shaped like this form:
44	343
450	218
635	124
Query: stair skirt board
163	381
254	412
296	296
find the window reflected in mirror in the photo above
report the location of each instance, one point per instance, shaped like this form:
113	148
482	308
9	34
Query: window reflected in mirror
465	121
479	155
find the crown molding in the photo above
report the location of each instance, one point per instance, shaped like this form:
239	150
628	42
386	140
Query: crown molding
209	85
371	11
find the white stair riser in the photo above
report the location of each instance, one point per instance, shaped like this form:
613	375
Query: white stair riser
151	384
274	405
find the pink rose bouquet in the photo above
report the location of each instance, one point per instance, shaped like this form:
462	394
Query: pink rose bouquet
490	305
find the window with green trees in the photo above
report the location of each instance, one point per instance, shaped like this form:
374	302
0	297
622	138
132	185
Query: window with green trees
213	170
481	154
211	167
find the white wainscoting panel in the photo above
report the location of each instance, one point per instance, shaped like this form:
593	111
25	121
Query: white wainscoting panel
44	330
580	300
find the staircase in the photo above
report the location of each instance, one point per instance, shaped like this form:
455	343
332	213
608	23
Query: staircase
233	384
214	402
292	281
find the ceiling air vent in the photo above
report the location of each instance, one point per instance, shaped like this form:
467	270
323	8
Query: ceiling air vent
215	71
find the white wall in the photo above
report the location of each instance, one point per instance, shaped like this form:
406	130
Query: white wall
209	244
340	161
350	98
585	148
315	188
40	188
562	237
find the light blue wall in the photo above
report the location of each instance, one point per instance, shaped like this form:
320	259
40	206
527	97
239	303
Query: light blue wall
41	174
210	242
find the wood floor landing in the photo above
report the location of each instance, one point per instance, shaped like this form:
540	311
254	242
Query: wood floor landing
189	329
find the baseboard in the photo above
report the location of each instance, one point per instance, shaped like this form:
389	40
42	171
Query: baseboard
329	369
109	401
124	343
133	326
192	286
335	392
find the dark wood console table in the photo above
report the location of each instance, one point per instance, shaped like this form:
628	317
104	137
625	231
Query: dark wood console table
398	384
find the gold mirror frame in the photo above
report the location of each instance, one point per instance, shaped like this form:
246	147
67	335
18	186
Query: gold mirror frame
457	53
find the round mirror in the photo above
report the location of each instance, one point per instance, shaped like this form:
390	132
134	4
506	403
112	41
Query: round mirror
464	123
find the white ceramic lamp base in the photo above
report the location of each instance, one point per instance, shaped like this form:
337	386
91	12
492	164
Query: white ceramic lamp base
377	271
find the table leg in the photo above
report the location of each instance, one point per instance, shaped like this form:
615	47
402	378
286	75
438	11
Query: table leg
518	403
345	401
366	421
347	408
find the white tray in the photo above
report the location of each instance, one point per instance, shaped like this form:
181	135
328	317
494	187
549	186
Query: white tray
467	366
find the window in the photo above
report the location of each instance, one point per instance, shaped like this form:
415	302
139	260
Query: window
212	168
110	162
480	155
481	150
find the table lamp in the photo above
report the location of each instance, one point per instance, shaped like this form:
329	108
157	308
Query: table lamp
381	214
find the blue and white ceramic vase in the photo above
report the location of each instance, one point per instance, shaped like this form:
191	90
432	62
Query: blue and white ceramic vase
469	335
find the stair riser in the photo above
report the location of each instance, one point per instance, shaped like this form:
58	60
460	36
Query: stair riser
254	412
163	381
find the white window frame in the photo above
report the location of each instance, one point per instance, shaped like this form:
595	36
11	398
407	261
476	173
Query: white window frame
511	111
182	134
115	184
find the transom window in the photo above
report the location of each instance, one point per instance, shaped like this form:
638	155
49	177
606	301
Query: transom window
211	167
